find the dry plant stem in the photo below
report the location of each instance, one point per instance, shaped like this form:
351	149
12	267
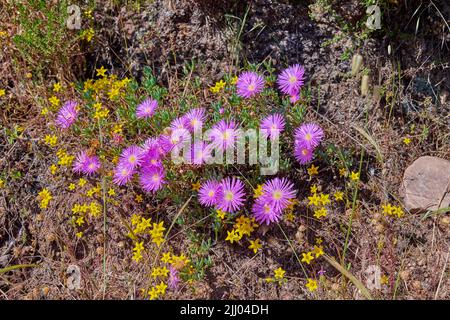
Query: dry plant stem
355	196
104	216
293	250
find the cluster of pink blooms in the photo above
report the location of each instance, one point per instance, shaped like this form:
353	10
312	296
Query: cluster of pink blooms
289	82
86	164
227	195
306	138
276	196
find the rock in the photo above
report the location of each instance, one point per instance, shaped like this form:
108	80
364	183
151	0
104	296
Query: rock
426	184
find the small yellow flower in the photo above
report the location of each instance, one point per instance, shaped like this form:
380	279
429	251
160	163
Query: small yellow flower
82	182
354	176
138	198
319	241
153	293
307	257
221	214
338	196
290	216
342	172
196	186
57	87
384	279
232	236
111	192
311	285
279	273
51	140
161	288
54	101
406	141
2	92
255	245
258	191
79	234
319	213
53	169
44	111
234	80
71	186
313	189
314	200
167	257
2	183
80	221
324	199
313	170
318	251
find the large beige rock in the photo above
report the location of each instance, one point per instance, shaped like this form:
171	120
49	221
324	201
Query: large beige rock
426	184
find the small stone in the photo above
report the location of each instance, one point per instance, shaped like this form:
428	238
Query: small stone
426	184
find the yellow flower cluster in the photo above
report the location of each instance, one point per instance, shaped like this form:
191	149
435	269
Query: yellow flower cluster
289	212
307	257
157	233
160	273
87	34
106	85
100	112
243	226
64	159
218	86
137	251
93	208
94	191
319	201
393	211
45	196
51	140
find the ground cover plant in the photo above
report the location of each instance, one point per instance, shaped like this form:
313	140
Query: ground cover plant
145	159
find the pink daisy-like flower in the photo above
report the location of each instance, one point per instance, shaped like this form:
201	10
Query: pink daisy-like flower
209	193
249	84
277	192
272	126
86	164
200	153
151	178
67	115
123	174
309	135
151	157
131	157
146	108
264	212
153	143
291	79
232	195
302	153
173	280
179	124
195	119
224	134
177	135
